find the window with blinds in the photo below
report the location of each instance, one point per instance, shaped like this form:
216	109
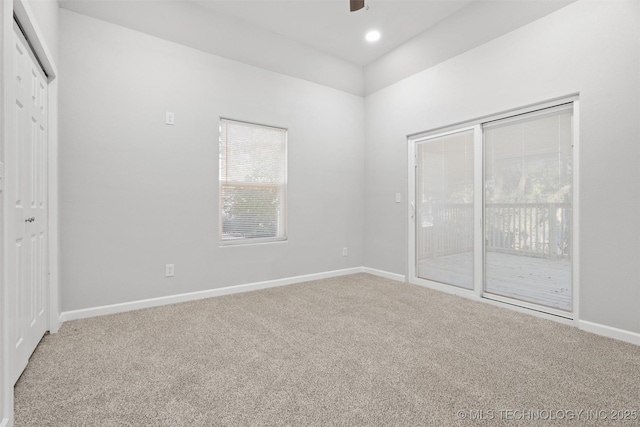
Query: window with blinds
253	182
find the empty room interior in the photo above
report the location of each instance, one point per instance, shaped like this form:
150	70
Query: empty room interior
319	212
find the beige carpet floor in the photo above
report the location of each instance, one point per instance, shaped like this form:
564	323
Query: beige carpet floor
349	351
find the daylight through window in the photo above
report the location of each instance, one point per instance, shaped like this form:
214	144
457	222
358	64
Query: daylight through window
253	182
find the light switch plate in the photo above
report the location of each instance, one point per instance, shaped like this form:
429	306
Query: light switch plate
171	118
169	270
398	197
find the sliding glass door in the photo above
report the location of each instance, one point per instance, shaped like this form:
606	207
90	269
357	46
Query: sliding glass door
444	209
492	209
528	203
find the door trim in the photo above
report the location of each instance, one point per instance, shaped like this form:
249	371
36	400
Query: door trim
28	22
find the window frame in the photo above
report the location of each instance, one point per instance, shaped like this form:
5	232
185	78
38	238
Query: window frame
282	189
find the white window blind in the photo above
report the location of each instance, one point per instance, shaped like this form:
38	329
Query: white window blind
253	182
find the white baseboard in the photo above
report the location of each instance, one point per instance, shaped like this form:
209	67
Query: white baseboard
385	274
192	296
610	332
596	328
607	331
54	325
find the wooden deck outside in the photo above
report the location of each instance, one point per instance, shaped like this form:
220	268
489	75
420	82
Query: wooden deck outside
537	280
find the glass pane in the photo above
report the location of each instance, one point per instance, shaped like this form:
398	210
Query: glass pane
528	196
444	209
250	212
252	182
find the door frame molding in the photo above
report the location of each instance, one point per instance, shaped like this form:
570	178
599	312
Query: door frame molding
478	291
28	22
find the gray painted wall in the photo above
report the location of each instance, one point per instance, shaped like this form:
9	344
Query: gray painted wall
471	26
136	194
46	14
590	47
194	25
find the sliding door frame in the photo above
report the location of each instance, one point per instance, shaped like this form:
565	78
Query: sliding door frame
477	214
477	293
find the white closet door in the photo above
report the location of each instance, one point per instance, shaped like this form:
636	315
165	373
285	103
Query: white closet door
27	203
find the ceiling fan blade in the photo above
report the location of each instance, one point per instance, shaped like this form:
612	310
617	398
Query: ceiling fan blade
356	5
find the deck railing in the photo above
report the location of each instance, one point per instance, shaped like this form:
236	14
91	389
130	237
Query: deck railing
539	230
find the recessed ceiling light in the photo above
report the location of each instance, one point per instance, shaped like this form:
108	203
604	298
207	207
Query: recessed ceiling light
373	36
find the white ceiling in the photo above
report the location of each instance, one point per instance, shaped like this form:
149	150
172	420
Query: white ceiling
329	26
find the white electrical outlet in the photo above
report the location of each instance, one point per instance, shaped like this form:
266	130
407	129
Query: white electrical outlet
171	118
169	270
398	197
345	251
